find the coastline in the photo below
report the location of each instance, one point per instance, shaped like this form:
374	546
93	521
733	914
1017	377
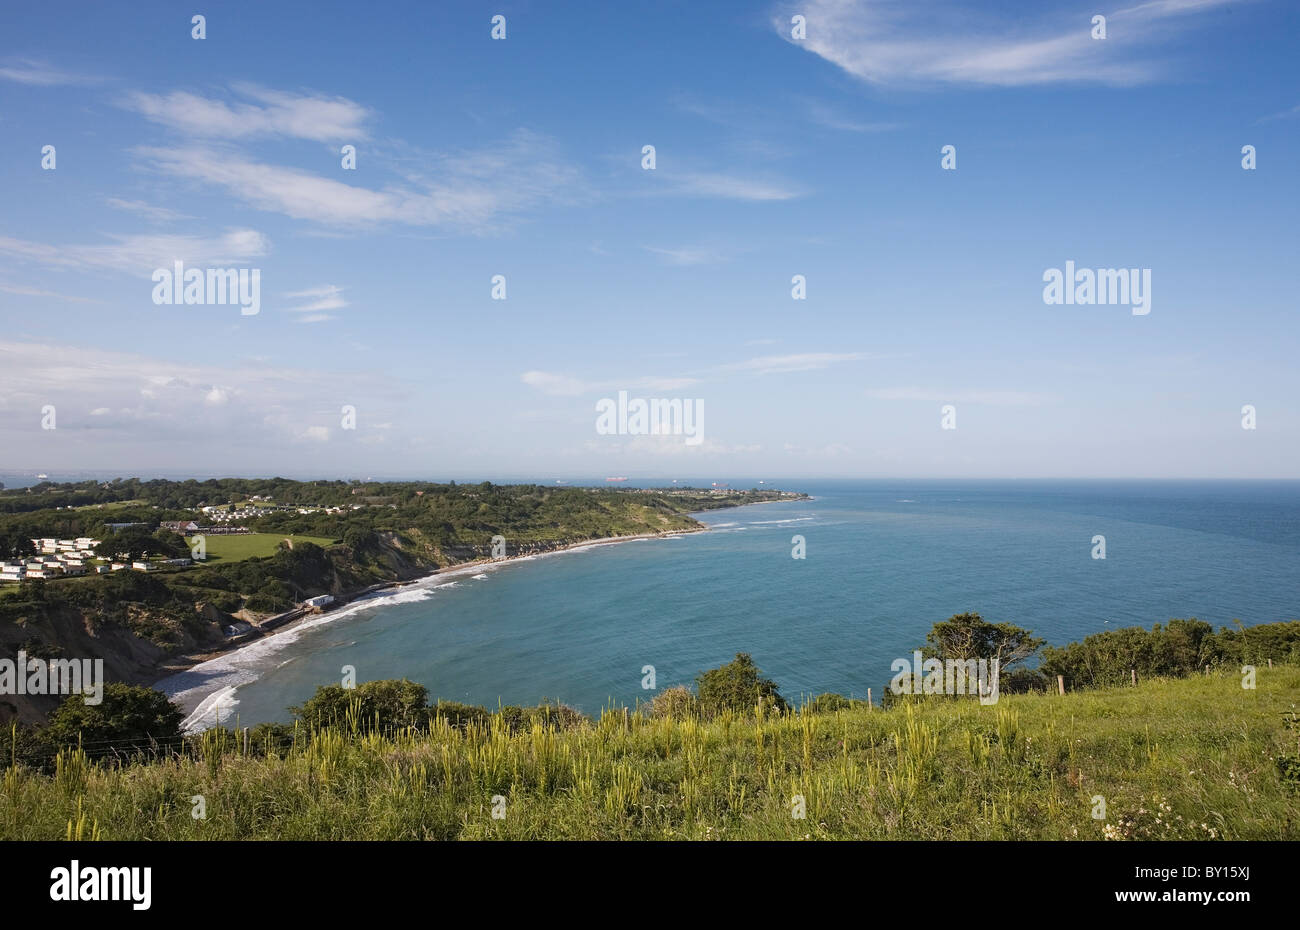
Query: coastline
198	682
191	681
178	664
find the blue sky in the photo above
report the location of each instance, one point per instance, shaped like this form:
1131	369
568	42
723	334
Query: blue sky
775	156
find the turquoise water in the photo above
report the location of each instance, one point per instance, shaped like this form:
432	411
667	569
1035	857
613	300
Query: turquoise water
885	560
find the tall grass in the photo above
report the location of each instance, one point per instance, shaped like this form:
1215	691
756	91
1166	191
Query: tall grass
1195	758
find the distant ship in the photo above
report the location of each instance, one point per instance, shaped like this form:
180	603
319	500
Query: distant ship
622	478
42	476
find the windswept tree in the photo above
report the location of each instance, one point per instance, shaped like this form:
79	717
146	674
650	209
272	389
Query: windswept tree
970	636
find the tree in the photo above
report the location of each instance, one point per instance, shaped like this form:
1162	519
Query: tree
15	544
737	686
169	545
360	540
130	716
969	636
384	705
131	543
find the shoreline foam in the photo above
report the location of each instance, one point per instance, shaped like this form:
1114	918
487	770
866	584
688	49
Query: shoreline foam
201	687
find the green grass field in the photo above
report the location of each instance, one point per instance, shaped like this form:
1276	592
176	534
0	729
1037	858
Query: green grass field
1195	758
250	545
113	505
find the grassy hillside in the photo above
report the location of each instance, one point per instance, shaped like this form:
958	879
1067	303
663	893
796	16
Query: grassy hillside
1192	758
252	545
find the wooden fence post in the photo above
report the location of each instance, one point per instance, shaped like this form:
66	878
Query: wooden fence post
868	699
1134	673
1060	683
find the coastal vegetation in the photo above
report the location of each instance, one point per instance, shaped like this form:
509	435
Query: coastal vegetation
1196	756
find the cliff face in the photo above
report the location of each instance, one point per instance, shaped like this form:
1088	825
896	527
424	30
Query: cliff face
69	632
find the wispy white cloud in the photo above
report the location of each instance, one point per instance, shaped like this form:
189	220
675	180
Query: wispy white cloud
904	41
40	74
830	118
106	397
565	385
688	256
148	211
725	186
805	361
37	292
476	192
320	300
271	113
1284	114
140	255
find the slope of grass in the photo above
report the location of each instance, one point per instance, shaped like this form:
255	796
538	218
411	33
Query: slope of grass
1195	758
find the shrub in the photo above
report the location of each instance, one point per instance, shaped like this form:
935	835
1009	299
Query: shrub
560	716
130	717
677	703
829	703
384	705
461	715
737	686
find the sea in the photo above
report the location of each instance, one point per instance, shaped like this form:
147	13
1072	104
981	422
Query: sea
882	561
